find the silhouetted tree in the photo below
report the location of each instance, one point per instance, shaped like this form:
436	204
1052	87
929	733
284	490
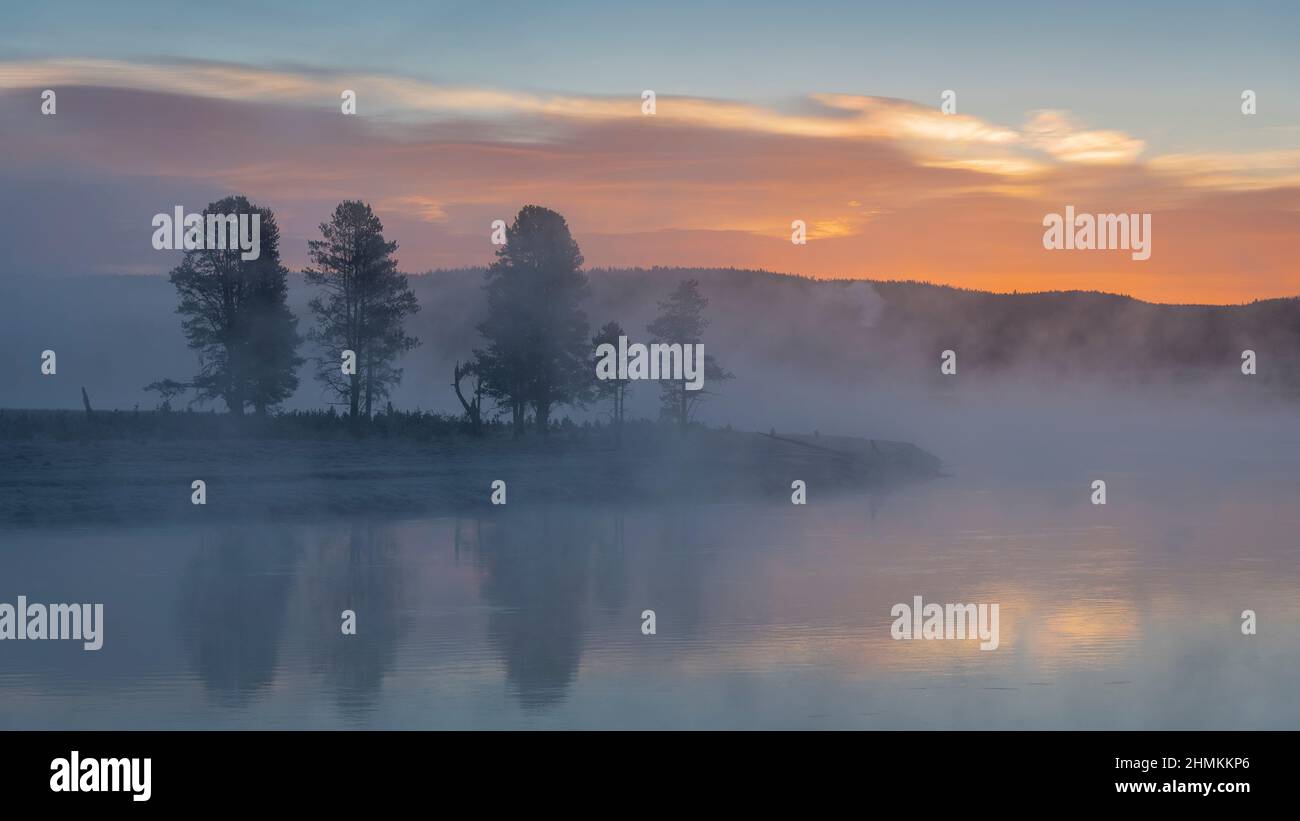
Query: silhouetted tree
537	348
681	321
614	390
273	339
473	407
237	318
365	302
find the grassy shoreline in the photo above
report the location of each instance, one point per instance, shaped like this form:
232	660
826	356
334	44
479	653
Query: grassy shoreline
132	472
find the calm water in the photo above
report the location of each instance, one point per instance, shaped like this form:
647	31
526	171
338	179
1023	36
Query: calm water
768	616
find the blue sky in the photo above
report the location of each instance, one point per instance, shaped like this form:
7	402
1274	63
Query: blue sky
1160	68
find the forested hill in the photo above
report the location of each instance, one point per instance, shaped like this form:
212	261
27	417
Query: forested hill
116	334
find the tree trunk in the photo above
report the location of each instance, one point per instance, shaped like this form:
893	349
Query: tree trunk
354	398
474	410
517	407
370	390
543	411
618	415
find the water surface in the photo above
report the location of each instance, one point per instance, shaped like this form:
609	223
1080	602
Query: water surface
768	615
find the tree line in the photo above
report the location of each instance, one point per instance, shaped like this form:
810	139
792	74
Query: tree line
537	351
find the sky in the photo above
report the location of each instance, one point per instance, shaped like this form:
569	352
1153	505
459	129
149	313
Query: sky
765	114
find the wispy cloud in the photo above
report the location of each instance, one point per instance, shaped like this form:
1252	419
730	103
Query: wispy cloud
1232	171
886	187
1056	133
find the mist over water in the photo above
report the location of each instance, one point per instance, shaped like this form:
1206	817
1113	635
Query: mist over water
768	614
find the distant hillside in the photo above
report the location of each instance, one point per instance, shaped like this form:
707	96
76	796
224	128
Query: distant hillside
870	330
787	338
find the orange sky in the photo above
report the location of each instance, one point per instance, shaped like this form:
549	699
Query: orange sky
888	188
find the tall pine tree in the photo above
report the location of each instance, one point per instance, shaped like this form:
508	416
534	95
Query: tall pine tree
364	305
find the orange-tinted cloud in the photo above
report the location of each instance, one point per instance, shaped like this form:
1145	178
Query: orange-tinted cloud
887	188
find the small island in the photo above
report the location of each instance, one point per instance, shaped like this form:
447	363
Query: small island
535	357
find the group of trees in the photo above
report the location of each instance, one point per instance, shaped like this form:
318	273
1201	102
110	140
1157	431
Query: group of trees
537	352
680	321
237	319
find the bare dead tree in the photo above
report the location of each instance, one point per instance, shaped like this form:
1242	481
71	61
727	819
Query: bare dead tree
473	408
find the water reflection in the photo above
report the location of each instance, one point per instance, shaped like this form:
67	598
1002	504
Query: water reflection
233	595
534	572
767	616
363	576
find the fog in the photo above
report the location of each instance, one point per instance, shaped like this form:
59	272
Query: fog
1049	380
769	614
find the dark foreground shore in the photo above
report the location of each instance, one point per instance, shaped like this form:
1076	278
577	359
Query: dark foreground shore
141	479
